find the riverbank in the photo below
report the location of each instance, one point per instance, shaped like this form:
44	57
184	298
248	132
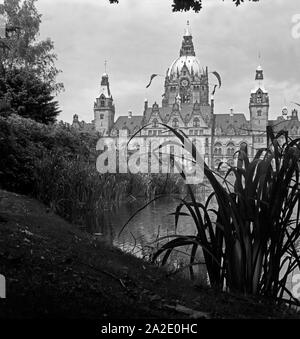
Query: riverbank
53	269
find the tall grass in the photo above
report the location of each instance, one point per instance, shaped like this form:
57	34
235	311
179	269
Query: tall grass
57	165
76	191
249	236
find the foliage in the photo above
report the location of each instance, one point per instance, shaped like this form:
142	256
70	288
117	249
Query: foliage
27	96
28	71
56	164
25	49
249	241
24	141
186	5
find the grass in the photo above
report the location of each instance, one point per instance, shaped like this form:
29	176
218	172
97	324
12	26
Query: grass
54	270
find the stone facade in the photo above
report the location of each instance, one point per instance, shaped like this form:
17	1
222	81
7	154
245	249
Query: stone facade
188	105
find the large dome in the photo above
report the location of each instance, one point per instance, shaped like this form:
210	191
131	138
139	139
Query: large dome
191	62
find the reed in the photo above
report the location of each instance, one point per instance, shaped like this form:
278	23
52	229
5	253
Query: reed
57	164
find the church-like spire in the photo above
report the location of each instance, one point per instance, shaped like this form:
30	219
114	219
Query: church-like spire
105	86
187	48
259	80
105	90
104	109
259	106
259	74
187	31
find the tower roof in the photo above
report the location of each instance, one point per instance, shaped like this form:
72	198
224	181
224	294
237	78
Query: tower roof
259	80
187	56
187	31
105	86
187	47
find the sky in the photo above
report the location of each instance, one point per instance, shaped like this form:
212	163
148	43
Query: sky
142	37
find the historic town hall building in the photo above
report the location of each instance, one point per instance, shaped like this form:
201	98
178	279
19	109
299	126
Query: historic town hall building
188	105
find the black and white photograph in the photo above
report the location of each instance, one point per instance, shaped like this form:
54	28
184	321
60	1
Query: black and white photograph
150	164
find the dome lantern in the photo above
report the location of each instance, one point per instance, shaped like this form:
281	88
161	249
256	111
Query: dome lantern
187	57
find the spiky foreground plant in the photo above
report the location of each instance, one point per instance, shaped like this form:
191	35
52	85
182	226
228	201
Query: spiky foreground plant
249	240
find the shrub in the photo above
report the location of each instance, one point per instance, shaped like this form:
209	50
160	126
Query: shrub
56	164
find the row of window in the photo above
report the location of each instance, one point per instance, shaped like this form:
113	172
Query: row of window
175	122
164	132
196	88
260	140
157	132
196	132
230	149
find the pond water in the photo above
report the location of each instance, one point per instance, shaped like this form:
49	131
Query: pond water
155	221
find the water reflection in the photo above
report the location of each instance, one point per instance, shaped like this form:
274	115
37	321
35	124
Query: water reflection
155	221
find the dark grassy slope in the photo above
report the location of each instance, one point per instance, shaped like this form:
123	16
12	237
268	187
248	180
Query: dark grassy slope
55	270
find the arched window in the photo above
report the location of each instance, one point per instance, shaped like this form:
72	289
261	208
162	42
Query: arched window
218	149
196	122
259	97
154	123
175	123
259	113
101	116
230	149
102	103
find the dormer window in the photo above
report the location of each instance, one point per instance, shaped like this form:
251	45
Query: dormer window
154	123
196	122
175	123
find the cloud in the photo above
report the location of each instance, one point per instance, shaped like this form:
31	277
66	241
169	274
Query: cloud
139	38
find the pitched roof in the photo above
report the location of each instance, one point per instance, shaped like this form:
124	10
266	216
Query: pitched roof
186	111
236	121
281	124
130	123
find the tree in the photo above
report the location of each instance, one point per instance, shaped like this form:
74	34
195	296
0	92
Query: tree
28	57
186	5
25	94
25	49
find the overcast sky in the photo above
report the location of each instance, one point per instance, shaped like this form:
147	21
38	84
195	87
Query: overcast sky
141	37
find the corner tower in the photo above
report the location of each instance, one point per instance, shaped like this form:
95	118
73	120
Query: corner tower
259	104
104	109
